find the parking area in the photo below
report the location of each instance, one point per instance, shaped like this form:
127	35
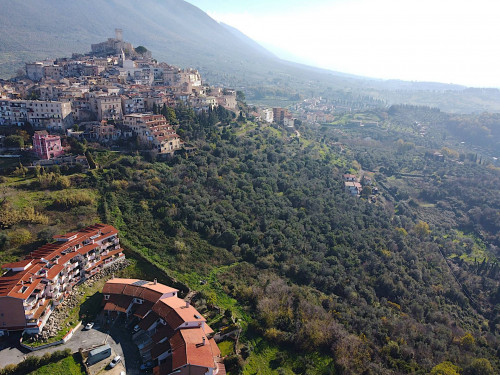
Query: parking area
117	334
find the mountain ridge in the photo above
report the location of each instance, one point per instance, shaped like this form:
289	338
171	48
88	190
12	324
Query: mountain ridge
181	34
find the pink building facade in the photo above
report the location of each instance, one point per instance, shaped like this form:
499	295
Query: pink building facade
47	146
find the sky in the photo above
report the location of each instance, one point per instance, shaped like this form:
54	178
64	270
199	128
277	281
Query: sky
423	40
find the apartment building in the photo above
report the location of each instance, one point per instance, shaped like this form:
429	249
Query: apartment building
47	146
171	332
54	72
13	112
49	115
154	132
35	71
31	289
41	114
109	108
133	104
279	115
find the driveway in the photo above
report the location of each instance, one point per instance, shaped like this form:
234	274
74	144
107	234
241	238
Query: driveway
119	338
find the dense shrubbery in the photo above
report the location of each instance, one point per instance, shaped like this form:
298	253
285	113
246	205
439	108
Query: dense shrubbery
32	363
70	199
383	290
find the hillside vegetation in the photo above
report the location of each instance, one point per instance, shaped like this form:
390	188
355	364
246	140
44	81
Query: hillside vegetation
321	282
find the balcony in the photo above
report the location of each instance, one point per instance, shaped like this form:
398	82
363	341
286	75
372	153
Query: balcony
94	271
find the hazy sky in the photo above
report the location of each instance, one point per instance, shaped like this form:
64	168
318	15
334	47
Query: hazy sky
423	40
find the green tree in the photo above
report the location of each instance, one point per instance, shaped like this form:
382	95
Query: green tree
366	192
77	147
19	237
14	141
141	50
90	160
240	96
479	366
422	229
467	342
445	368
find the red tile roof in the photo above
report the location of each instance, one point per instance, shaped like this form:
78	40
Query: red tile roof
175	312
118	303
143	309
148	321
20	264
18	284
159	349
192	347
164	368
165	331
145	290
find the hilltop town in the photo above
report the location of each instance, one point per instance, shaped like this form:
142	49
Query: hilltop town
114	92
110	95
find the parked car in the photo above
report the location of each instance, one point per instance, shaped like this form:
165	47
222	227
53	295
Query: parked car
89	325
115	361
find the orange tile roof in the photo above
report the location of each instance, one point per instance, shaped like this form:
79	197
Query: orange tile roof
148	320
143	309
165	331
12	283
159	349
174	311
118	303
164	368
21	263
41	309
189	348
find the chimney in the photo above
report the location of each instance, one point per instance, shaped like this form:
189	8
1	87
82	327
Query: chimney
204	340
155	281
112	276
187	304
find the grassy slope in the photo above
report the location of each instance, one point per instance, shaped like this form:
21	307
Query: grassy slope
67	366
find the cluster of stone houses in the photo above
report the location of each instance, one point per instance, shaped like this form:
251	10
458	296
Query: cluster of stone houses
351	184
277	115
354	187
170	331
30	289
103	88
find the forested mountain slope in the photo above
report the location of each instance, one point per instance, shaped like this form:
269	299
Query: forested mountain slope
259	222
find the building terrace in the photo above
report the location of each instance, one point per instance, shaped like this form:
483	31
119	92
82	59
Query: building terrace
172	333
30	289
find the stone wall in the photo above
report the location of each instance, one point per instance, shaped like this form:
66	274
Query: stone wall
56	319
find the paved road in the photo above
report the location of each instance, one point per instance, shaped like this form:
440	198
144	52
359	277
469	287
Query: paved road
119	339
